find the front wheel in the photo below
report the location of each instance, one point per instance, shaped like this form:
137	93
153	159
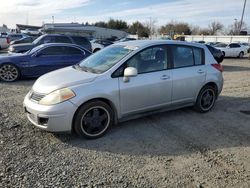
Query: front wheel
93	119
241	54
206	99
9	73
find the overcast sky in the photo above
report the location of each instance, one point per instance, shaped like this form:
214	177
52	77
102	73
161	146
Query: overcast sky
196	12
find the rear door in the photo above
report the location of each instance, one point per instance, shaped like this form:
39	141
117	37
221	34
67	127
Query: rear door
72	55
152	87
189	72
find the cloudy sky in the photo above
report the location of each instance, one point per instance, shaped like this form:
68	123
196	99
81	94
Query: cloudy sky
196	12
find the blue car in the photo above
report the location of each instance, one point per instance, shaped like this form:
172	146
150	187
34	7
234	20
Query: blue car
40	60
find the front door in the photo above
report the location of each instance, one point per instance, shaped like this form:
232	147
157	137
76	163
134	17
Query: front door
152	87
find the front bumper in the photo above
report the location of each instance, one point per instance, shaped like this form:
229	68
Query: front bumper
56	118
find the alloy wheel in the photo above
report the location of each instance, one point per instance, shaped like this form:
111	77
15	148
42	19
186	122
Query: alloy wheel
95	121
207	99
8	73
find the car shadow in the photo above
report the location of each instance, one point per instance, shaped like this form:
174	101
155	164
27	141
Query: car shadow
176	132
235	68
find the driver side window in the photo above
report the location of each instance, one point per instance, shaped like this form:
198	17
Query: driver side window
150	60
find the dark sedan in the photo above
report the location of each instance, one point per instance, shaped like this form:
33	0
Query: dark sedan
51	38
40	60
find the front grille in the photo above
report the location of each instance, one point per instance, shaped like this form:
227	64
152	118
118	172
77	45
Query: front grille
36	96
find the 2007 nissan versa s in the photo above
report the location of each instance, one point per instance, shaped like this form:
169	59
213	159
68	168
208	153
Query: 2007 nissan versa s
124	80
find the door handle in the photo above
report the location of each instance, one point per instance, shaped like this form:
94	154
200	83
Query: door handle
200	71
165	77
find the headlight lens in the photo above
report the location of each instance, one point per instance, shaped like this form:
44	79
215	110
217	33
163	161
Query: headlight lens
11	49
57	96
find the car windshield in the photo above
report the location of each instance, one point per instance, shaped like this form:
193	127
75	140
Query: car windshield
37	40
105	59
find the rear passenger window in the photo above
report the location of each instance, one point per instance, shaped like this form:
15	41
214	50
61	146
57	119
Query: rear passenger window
72	50
61	39
197	56
81	40
182	56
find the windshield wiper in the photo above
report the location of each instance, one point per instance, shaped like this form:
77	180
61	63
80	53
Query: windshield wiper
86	69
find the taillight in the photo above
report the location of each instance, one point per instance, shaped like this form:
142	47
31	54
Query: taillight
218	66
8	40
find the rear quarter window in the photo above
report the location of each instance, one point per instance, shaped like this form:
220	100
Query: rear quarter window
186	56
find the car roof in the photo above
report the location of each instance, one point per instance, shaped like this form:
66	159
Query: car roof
145	43
63	44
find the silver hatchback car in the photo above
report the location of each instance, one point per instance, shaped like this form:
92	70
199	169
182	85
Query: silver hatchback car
124	81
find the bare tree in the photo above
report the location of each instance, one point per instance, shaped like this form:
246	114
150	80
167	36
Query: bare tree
151	25
214	27
195	29
235	28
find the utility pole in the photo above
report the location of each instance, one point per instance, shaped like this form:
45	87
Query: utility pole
53	19
243	11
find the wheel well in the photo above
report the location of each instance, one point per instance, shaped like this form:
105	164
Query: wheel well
213	85
96	49
108	102
18	68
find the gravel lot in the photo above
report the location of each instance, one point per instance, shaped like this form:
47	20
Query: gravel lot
181	148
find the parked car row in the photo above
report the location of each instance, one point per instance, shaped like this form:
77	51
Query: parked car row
232	49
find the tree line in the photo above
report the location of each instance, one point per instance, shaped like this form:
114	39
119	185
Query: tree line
149	28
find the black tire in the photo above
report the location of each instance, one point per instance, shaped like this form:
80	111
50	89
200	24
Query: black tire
89	116
223	54
241	55
9	72
206	99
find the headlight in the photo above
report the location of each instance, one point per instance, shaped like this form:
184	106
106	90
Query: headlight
11	49
57	96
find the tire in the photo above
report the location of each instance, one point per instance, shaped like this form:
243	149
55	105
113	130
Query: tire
223	54
241	55
93	119
9	73
206	99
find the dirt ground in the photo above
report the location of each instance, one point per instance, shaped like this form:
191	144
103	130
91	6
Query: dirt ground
180	148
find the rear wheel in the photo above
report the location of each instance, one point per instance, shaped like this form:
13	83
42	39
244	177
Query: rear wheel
241	55
9	73
206	99
93	119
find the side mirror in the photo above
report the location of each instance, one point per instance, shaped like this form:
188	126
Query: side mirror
129	72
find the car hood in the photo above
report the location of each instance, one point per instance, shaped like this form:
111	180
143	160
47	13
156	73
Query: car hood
13	57
62	78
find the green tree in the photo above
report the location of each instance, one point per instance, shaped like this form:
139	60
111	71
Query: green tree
139	29
175	28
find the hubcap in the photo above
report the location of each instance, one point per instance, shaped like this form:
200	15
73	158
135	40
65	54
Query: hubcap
95	121
8	73
207	99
